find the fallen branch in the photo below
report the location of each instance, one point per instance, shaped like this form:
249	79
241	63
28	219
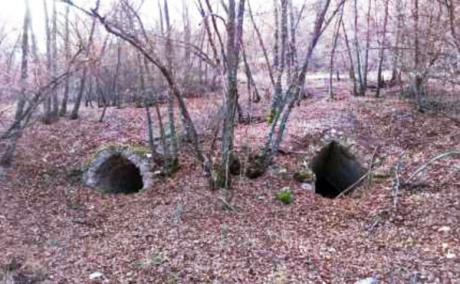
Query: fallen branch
424	166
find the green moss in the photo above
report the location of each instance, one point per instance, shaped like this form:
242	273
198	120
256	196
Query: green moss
285	195
271	116
139	150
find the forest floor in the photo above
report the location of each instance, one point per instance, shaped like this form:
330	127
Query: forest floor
55	230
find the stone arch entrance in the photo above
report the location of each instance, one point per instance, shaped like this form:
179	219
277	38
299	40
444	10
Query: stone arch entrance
119	169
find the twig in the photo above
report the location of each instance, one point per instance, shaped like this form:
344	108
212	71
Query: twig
363	177
371	166
226	204
396	180
351	187
424	166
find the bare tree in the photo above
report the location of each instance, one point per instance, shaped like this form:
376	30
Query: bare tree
382	49
291	94
65	97
333	50
83	78
54	63
48	116
169	52
234	27
10	149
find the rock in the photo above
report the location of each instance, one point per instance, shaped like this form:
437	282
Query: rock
255	167
303	176
381	173
96	276
444	229
308	186
450	255
369	280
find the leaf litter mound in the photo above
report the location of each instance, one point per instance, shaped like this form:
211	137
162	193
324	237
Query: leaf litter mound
54	227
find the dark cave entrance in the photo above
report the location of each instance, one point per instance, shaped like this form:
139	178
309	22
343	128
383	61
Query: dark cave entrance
336	169
119	175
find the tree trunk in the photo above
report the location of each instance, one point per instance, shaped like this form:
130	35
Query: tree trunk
382	51
417	87
65	98
332	57
47	116
350	57
359	65
234	29
169	57
8	155
366	54
54	64
76	107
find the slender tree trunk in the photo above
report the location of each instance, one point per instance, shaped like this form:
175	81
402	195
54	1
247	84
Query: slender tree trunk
451	9
277	95
115	89
418	80
350	57
7	156
382	50
65	98
366	53
234	36
359	66
76	107
395	73
332	57
169	57
151	100
54	64
187	39
47	116
292	44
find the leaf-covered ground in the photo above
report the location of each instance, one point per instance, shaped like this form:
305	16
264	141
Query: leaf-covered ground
55	230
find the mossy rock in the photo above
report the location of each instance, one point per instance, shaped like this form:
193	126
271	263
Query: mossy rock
382	173
140	150
304	175
255	167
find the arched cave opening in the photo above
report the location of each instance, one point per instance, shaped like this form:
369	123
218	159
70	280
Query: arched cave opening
336	169
119	175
